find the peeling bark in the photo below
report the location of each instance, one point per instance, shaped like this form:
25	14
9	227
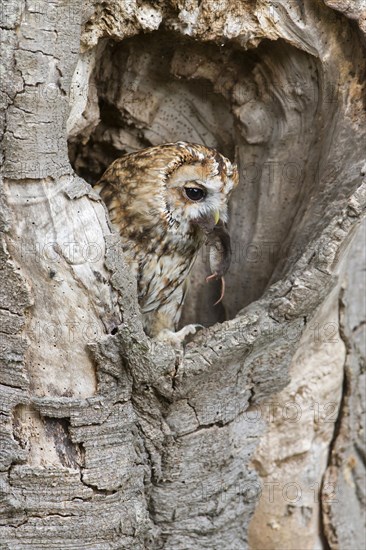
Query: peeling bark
252	435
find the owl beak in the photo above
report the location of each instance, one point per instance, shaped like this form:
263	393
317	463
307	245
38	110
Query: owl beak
209	221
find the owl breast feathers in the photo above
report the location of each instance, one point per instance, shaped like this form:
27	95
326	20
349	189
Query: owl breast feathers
166	201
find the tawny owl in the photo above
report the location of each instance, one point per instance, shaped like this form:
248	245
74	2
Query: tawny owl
166	201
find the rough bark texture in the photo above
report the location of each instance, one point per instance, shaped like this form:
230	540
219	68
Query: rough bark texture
252	435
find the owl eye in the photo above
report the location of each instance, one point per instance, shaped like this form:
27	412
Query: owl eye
195	193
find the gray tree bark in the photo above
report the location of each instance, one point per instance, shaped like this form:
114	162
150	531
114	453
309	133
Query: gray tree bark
252	436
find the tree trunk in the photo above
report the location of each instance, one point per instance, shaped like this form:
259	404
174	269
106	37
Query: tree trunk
252	435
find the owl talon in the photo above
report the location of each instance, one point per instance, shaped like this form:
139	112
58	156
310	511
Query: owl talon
176	339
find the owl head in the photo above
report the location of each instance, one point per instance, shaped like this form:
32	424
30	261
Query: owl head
198	183
181	185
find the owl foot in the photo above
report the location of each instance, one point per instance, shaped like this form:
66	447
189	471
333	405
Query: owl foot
176	339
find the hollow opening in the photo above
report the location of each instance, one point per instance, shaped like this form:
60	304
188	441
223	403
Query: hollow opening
149	93
256	107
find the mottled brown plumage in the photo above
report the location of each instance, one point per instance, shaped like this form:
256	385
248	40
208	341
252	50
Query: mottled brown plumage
166	201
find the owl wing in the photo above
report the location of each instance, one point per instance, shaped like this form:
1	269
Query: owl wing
162	294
